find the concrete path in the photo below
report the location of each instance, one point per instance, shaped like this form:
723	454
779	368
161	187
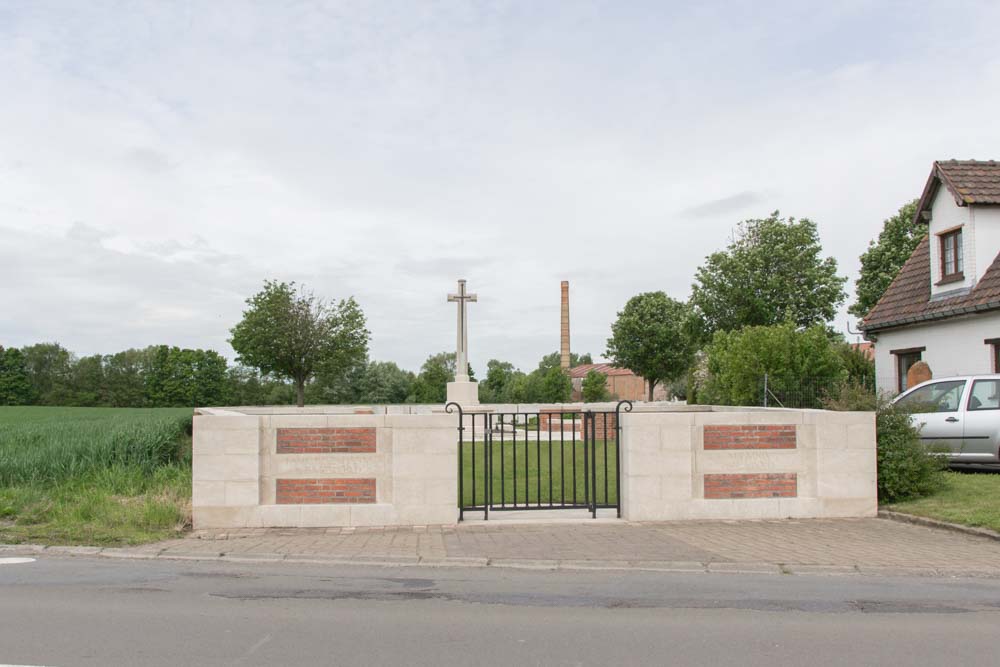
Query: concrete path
844	546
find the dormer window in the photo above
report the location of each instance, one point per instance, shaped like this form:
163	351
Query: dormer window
951	255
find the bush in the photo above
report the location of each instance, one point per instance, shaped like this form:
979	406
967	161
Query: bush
906	469
799	364
595	387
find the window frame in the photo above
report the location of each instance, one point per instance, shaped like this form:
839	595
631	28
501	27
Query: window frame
901	355
951	239
972	390
994	344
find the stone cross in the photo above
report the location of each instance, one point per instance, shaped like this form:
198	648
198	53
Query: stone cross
462	347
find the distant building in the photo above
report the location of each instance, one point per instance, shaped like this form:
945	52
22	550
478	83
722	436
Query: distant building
622	383
944	306
867	349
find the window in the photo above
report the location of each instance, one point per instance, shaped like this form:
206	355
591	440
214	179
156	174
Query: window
904	360
994	344
935	397
951	255
985	395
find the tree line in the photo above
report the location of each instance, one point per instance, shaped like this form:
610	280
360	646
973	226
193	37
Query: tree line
761	306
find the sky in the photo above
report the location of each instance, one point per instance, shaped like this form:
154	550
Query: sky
159	161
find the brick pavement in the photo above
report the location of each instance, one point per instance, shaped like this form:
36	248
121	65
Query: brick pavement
827	545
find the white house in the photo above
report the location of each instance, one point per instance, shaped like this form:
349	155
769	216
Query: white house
944	306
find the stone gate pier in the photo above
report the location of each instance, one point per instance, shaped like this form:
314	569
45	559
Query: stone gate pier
399	465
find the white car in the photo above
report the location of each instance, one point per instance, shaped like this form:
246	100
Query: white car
960	414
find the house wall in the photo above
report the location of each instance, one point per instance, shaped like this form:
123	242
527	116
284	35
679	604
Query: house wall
986	220
945	214
954	347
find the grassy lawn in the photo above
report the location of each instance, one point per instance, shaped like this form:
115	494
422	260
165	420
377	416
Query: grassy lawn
534	472
969	498
103	476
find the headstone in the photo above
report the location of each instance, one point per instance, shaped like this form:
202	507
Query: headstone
919	372
462	391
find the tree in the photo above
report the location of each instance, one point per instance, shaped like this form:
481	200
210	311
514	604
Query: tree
49	367
431	385
499	375
554	360
800	364
123	379
87	386
654	338
771	273
15	386
289	333
385	382
880	264
595	387
550	386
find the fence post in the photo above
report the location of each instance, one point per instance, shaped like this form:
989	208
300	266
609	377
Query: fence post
765	390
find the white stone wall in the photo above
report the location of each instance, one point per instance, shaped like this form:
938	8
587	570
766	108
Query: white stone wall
664	463
236	468
954	347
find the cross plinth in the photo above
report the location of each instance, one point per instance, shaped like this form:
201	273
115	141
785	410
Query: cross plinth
462	390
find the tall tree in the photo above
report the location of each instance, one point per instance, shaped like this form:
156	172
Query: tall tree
288	332
49	367
772	272
123	379
653	337
15	387
880	264
554	360
431	385
385	382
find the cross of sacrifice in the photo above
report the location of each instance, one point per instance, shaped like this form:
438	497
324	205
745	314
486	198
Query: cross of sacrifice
462	347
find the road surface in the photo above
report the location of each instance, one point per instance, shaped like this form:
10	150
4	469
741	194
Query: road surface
82	611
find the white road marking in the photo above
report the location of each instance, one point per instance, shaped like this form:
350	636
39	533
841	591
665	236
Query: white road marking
15	561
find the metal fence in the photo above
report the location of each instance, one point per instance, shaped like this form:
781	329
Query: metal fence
539	460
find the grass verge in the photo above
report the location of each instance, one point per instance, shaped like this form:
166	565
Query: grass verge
967	498
94	476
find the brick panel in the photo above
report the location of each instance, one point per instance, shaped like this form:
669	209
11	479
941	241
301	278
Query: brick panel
752	485
762	436
326	440
325	491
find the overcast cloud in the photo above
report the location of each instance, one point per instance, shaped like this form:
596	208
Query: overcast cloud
158	161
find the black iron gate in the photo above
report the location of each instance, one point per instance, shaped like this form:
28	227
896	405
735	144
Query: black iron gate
567	459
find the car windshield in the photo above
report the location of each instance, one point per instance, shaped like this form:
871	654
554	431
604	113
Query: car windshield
934	397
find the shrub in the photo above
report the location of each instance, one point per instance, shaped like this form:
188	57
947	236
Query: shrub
595	387
799	363
906	469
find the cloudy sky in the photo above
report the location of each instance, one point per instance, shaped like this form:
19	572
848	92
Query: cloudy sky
158	161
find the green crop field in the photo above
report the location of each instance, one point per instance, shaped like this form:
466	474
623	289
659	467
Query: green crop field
93	475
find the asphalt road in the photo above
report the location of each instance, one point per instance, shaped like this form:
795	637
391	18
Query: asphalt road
79	611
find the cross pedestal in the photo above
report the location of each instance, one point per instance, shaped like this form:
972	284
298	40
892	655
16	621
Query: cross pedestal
462	391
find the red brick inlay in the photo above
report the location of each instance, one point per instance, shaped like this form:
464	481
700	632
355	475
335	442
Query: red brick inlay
325	491
326	440
764	436
752	485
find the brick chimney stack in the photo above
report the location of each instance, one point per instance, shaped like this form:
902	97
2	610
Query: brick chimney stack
564	329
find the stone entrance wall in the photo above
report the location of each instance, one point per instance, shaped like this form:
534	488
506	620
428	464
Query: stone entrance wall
746	463
397	465
317	469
